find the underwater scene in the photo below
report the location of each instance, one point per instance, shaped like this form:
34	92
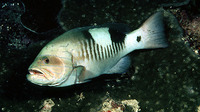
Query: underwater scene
157	71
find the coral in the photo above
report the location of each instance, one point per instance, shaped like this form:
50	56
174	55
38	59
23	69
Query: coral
133	104
80	97
110	105
191	27
12	32
47	105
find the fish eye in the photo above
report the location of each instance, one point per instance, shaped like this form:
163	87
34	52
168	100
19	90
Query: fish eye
46	60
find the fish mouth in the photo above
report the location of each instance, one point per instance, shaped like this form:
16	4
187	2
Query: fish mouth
36	72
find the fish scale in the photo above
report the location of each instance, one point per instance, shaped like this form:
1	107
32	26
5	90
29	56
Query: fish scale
91	51
87	52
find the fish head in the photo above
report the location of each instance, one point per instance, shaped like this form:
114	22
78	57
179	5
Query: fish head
50	70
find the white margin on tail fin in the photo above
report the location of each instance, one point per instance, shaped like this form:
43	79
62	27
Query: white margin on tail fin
149	35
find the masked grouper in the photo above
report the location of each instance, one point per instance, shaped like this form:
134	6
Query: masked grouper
83	53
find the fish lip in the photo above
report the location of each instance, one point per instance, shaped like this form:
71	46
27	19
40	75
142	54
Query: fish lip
38	72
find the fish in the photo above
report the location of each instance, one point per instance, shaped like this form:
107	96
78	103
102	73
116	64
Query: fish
81	54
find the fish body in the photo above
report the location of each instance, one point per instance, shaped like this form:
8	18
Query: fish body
83	53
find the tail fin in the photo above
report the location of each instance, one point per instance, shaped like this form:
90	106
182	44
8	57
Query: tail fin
150	34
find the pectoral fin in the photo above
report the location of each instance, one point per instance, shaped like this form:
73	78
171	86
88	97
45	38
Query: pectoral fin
121	66
74	77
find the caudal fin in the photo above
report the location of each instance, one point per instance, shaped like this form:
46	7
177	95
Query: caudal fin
150	34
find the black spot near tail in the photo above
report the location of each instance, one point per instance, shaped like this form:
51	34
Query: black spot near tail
138	38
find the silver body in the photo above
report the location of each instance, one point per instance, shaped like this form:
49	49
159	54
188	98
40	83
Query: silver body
89	52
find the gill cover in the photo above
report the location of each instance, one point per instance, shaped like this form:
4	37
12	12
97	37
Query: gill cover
67	67
52	66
